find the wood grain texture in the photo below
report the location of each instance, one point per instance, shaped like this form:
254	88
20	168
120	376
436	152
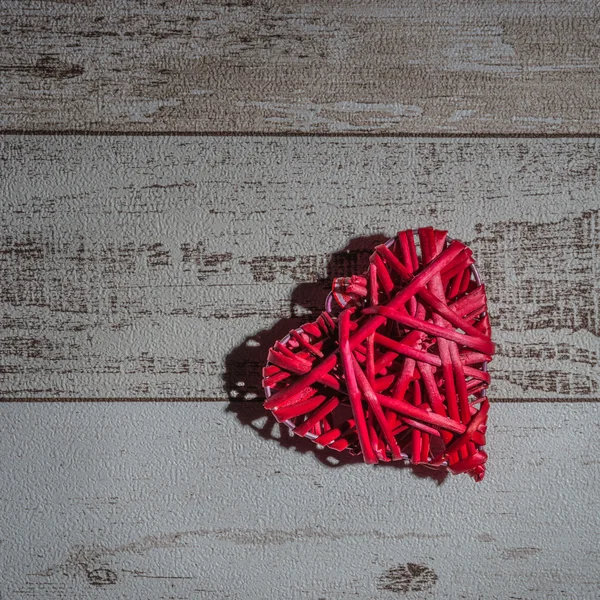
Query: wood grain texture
253	66
165	267
201	500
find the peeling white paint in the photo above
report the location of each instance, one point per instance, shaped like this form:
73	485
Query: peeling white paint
540	120
559	68
140	110
481	49
336	116
460	115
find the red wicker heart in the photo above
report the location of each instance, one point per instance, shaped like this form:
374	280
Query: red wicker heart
401	372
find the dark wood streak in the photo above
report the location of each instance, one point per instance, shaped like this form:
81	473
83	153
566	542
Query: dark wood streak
523	260
46	66
551	381
407	578
101	577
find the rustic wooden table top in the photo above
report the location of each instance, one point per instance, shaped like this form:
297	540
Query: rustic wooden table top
179	185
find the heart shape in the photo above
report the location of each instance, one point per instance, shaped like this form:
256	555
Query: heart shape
399	370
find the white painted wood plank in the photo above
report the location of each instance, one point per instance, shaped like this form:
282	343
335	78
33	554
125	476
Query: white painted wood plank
145	267
200	500
343	67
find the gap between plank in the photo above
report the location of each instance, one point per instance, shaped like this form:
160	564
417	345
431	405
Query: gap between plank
209	399
309	134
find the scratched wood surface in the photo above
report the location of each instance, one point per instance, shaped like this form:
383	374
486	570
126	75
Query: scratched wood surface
160	268
354	66
206	500
164	267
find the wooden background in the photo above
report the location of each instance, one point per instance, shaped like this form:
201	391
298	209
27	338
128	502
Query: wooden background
179	183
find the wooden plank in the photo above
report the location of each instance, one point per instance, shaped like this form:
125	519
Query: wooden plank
204	501
377	67
165	267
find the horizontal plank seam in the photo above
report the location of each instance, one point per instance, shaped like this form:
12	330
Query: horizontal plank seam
309	134
225	400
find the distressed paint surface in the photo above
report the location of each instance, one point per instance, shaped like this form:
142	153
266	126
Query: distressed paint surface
374	67
207	500
165	267
162	268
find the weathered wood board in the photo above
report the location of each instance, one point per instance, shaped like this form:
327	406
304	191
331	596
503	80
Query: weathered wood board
201	500
164	267
254	66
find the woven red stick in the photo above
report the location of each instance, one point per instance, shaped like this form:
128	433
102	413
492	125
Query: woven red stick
401	372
